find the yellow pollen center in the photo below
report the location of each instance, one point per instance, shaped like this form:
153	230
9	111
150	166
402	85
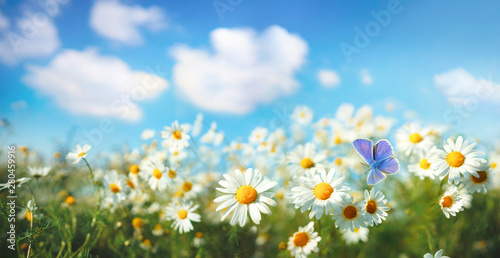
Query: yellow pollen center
323	191
81	154
137	223
338	140
177	135
424	164
246	194
371	206
494	165
28	216
356	230
134	169
483	176
130	184
70	200
172	174
182	214
302	114
415	138
447	201
301	239
158	227
338	161
157	173
114	188
350	212
455	159
187	186
306	163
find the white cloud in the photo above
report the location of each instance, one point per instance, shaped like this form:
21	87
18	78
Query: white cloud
122	23
35	35
460	87
366	78
243	70
328	78
84	82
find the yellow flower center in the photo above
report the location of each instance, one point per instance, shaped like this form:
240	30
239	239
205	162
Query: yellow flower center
158	227
246	194
350	212
424	164
179	193
371	206
447	201
70	200
177	135
494	165
282	246
338	140
114	188
280	195
137	223
81	154
28	216
301	239
134	169
483	176
455	159
182	214
130	184
157	173
306	163
146	243
338	161
302	114
323	191
172	174
415	138
356	230
187	186
198	235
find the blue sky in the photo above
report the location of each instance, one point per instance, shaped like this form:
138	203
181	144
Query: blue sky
424	39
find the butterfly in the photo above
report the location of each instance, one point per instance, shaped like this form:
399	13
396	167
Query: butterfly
380	158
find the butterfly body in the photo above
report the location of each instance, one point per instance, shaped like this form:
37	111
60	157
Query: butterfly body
380	159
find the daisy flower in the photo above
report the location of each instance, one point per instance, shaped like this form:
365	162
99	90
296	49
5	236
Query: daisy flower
245	194
375	206
182	214
115	186
258	135
479	184
451	202
305	158
318	192
79	153
349	215
439	254
155	173
413	138
303	242
176	136
457	158
353	237
420	165
302	115
39	172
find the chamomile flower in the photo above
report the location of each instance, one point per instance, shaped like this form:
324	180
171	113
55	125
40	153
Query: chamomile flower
305	158
182	214
176	136
302	115
479	184
451	202
38	172
212	136
318	192
412	138
458	158
258	135
349	215
439	254
353	237
375	206
79	153
303	242
245	194
115	187
420	165
155	173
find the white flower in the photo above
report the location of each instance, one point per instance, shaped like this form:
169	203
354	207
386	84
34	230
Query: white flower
303	242
420	165
319	192
375	206
79	153
349	215
115	187
176	136
39	172
182	214
353	237
155	173
245	195
451	202
458	158
302	115
147	134
258	135
412	138
305	158
212	136
480	183
437	255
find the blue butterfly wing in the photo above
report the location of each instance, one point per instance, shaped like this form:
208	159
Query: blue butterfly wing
375	176
389	166
364	148
383	150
